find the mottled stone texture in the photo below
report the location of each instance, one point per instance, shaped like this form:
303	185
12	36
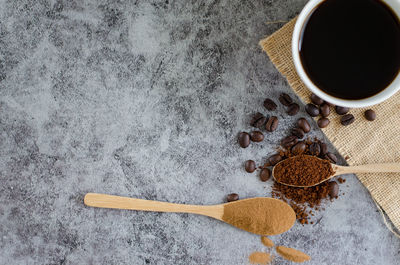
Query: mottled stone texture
145	99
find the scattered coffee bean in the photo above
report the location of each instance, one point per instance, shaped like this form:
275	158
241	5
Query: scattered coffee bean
333	189
244	139
289	141
250	166
265	174
316	100
331	157
256	136
299	148
324	148
285	99
267	164
325	110
304	125
269	104
370	115
342	110
315	149
312	110
347	119
272	124
299	133
232	197
293	109
323	122
261	123
257	119
275	159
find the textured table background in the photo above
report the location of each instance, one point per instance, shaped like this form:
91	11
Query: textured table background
145	99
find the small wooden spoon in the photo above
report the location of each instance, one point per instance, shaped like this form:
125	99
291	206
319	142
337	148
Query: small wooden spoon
278	215
341	170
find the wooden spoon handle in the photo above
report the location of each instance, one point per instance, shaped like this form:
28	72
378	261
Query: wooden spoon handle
371	168
118	202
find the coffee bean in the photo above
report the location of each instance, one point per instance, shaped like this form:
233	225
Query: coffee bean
299	133
312	110
256	118
331	157
323	122
285	99
272	124
244	139
370	115
299	148
333	189
250	166
289	141
325	110
347	119
324	148
316	100
265	174
269	104
315	149
342	110
293	109
260	123
256	136
232	197
274	159
304	125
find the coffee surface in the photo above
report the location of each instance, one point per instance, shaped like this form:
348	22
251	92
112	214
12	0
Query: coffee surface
351	48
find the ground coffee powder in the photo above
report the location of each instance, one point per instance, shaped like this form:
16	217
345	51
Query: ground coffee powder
304	201
262	216
302	170
292	254
267	242
260	258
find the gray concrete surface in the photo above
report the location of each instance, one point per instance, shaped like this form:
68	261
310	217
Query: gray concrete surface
145	99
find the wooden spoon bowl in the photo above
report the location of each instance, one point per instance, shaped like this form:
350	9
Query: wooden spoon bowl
341	170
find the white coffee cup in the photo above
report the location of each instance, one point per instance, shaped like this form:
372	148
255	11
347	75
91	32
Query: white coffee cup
359	103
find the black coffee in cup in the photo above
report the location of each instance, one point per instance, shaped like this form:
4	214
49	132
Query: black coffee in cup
350	49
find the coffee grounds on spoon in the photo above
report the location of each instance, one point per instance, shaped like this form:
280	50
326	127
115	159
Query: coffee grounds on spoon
304	201
262	216
302	170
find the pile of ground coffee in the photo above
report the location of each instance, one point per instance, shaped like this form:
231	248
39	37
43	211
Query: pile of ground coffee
302	170
305	201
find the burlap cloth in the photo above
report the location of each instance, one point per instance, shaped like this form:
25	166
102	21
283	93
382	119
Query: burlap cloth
363	141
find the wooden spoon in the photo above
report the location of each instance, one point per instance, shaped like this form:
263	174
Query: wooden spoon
263	216
341	170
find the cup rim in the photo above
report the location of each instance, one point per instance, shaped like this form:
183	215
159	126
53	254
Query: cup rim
358	103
